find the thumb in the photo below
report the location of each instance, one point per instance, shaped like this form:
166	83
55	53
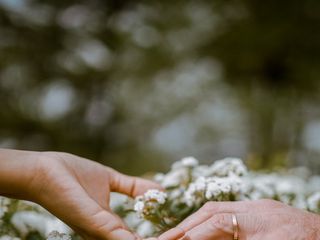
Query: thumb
131	186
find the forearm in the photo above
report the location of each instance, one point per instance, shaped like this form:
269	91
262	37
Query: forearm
17	169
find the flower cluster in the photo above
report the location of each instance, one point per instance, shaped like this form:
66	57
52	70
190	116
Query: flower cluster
150	203
188	185
4	206
314	202
55	235
212	189
26	220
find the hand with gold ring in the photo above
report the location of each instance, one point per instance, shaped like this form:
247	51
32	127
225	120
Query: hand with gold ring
248	220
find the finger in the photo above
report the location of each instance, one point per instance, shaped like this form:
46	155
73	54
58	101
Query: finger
116	235
210	209
107	226
192	221
92	219
122	234
131	186
202	215
218	227
173	234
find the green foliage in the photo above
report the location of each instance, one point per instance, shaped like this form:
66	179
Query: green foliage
105	79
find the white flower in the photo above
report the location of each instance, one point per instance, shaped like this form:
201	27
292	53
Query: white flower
2	212
146	229
55	235
260	186
201	171
195	192
227	167
156	195
55	224
290	185
314	184
213	189
217	187
159	177
300	202
117	200
176	193
147	204
314	202
4	206
188	162
139	206
175	178
7	237
200	184
28	221
180	174
132	220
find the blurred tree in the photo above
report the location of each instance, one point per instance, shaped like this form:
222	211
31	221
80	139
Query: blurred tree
130	83
270	52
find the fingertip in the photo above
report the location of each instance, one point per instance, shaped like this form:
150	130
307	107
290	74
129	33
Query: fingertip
137	236
131	186
143	185
173	234
122	234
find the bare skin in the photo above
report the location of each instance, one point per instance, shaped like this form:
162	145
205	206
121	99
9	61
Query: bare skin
258	220
74	189
77	191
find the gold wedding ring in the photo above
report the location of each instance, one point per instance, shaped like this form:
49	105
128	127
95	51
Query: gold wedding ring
235	227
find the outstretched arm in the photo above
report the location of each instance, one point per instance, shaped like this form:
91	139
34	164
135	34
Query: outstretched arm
74	189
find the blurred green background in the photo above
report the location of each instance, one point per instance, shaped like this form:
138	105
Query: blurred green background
137	85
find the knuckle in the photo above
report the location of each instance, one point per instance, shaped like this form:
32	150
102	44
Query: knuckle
221	222
219	219
270	203
207	206
174	233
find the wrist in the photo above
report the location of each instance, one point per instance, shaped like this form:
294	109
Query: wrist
37	181
17	171
42	177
